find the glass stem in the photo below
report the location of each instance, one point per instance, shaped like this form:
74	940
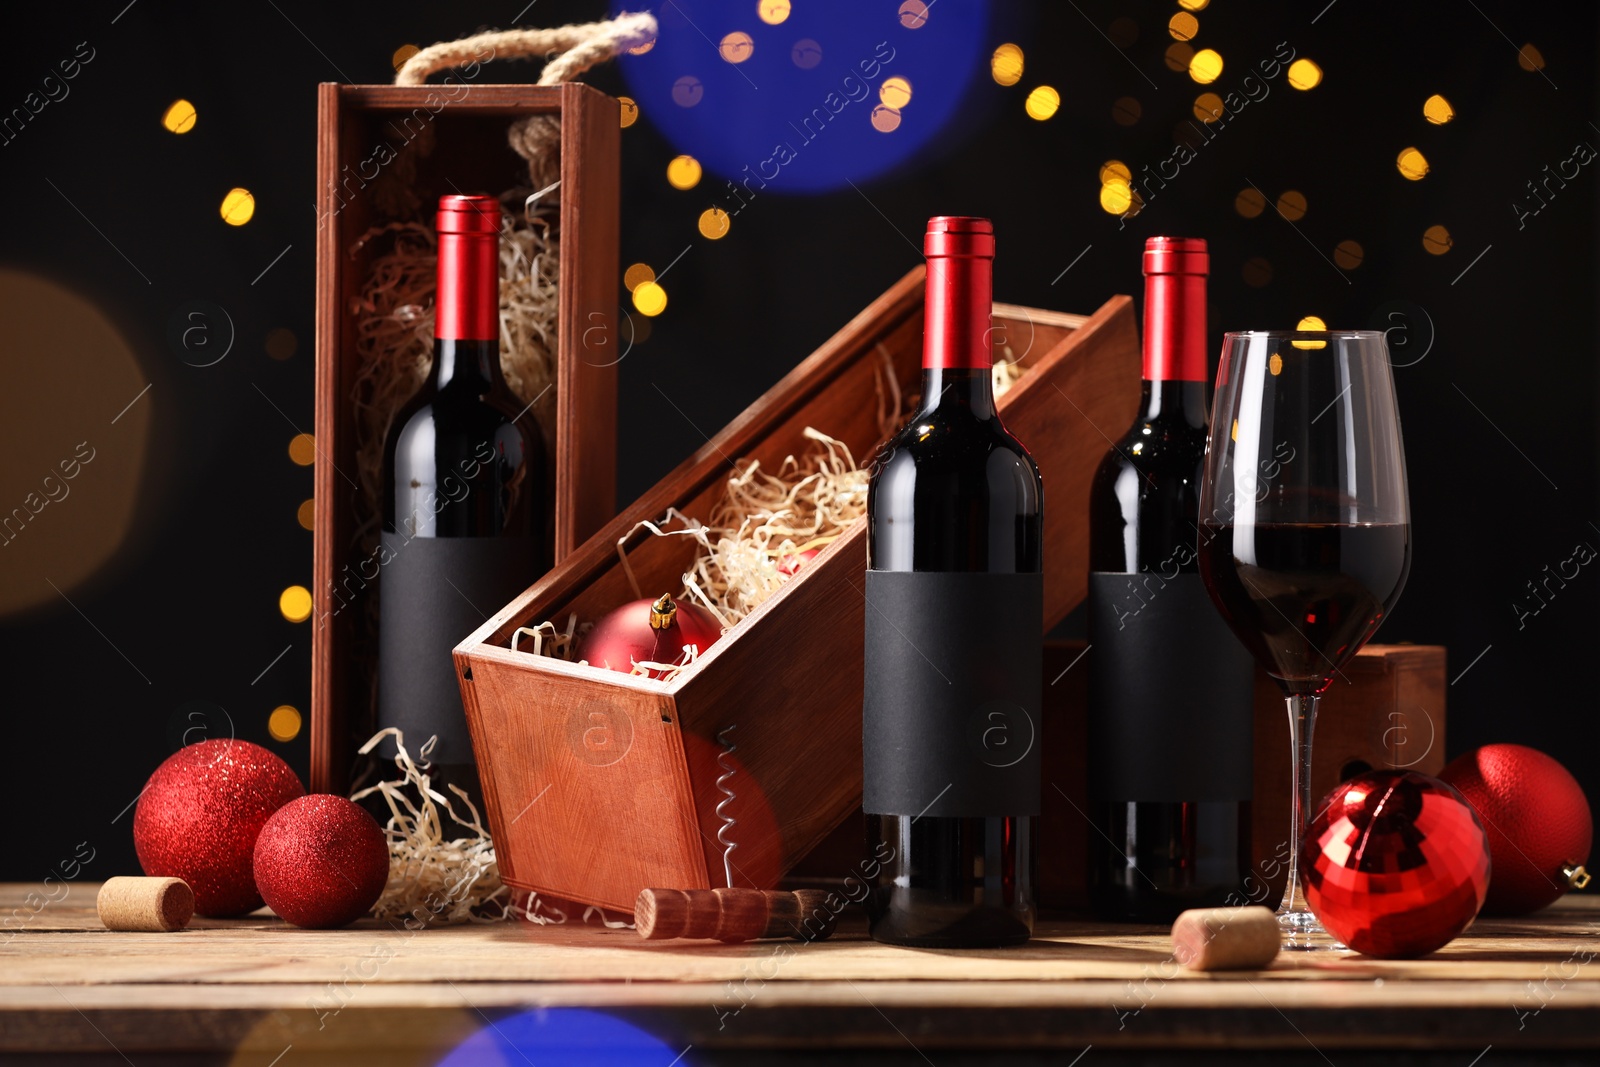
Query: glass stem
1302	722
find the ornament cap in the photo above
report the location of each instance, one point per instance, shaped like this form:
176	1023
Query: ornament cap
1577	877
663	613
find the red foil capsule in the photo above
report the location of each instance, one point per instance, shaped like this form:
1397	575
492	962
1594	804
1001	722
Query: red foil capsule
955	331
468	302
1175	270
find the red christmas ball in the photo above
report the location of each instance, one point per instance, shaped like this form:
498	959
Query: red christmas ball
790	565
321	862
649	631
1395	864
1539	823
199	815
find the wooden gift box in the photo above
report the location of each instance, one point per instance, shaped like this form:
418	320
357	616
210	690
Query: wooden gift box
1387	711
455	136
599	784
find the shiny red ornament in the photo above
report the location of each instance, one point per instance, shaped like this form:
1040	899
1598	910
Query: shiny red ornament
1539	823
1395	864
321	862
199	815
649	631
790	565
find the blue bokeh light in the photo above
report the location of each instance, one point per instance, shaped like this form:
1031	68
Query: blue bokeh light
561	1037
797	113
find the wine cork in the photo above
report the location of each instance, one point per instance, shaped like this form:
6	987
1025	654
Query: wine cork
732	915
145	904
1226	939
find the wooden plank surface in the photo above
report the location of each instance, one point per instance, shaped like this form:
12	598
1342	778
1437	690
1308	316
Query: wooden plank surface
255	985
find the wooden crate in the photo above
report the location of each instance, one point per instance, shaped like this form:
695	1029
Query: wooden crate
1387	711
599	784
455	138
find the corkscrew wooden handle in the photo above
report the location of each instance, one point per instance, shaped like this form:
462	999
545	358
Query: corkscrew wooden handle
733	915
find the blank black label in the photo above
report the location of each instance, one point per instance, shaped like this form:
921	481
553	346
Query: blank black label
950	724
1171	693
434	591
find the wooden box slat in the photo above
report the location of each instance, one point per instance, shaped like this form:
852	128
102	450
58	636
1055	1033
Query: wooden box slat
787	679
464	128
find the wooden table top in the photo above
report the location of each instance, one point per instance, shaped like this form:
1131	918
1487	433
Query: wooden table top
247	990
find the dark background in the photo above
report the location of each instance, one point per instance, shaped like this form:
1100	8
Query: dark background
1498	394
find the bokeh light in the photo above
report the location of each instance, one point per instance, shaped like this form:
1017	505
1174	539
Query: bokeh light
1115	170
306	514
736	47
1347	255
806	53
641	49
1126	111
649	298
1206	66
885	119
1437	110
1292	205
303	449
1413	164
1304	74
1183	26
913	14
1275	365
1310	322
637	275
772	12
1042	103
562	1037
630	111
238	207
895	92
1116	196
284	722
687	91
1250	203
1208	107
180	116
403	53
714	223
1178	56
1193	5
1005	66
295	603
1530	58
1437	240
684	172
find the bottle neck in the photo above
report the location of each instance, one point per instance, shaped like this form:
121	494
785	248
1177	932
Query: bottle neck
964	389
1175	327
1174	401
960	301
467	307
473	365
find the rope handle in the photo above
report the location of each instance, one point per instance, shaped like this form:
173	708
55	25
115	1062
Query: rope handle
578	48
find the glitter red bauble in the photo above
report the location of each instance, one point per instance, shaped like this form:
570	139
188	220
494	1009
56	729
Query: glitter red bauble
199	815
649	631
1539	823
1395	864
321	862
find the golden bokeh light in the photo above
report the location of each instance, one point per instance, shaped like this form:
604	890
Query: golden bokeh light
1178	56
683	172
714	223
1042	103
180	116
1347	255
885	119
1310	323
1126	111
403	53
1005	66
303	449
1275	365
637	275
284	723
1193	5
1437	240
1292	205
1304	74
1115	170
630	110
1250	202
895	92
295	603
737	47
306	514
649	298
1208	107
1183	26
913	14
1530	58
1413	164
1116	196
1437	110
772	12
1206	66
238	207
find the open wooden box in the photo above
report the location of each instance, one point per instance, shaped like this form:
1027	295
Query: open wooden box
439	140
600	784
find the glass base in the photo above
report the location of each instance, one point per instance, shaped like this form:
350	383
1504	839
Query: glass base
1303	933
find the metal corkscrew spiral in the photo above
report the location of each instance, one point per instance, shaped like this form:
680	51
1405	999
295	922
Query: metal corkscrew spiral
728	821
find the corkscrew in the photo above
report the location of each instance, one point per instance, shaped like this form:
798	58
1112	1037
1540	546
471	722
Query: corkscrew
728	821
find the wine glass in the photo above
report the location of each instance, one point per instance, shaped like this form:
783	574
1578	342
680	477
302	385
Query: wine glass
1304	526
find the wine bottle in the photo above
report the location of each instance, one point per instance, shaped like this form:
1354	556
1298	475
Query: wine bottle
954	614
464	501
1170	688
